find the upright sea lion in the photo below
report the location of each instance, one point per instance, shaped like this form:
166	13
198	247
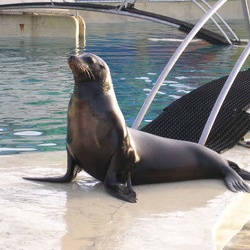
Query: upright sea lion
99	142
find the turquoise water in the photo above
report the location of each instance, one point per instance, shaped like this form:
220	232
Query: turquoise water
36	82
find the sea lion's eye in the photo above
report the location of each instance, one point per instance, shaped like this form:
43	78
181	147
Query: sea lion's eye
89	60
102	66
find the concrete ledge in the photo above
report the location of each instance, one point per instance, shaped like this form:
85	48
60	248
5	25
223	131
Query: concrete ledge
187	10
193	215
41	25
183	10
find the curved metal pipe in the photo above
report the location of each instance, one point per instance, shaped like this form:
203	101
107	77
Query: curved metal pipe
223	21
223	94
172	62
215	22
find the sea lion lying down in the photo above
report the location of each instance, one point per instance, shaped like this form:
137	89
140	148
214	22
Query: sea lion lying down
99	142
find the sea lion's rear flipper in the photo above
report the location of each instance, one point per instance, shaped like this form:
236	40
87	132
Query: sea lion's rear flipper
234	178
72	170
236	184
241	172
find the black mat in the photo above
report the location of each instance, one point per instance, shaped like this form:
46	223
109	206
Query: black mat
185	118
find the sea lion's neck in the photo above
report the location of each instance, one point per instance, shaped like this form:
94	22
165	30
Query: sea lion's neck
86	89
91	88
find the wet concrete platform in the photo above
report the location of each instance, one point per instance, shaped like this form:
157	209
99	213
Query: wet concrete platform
193	215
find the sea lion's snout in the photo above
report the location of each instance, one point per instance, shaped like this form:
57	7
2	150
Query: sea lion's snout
83	61
71	58
83	67
77	65
89	67
72	61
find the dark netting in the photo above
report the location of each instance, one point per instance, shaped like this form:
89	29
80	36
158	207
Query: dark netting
185	118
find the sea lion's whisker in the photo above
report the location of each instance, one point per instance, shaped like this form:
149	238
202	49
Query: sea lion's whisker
88	73
91	73
85	69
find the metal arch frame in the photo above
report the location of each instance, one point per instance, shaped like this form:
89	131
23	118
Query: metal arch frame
172	62
214	21
223	21
228	84
175	57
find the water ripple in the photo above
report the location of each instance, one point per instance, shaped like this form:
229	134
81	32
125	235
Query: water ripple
36	82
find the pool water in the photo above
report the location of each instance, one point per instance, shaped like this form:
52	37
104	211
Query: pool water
36	82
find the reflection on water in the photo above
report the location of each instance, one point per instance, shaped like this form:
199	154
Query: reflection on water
34	86
36	81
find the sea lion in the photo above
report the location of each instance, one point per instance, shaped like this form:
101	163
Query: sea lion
99	142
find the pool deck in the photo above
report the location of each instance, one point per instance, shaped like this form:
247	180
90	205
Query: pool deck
191	215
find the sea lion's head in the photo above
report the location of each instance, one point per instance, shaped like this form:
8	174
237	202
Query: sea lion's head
90	68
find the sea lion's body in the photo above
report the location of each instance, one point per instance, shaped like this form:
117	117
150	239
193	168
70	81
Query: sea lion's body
94	130
99	142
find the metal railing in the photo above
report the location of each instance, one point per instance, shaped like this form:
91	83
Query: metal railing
219	102
172	62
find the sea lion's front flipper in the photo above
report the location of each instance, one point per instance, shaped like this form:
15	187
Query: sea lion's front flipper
121	187
119	190
72	170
